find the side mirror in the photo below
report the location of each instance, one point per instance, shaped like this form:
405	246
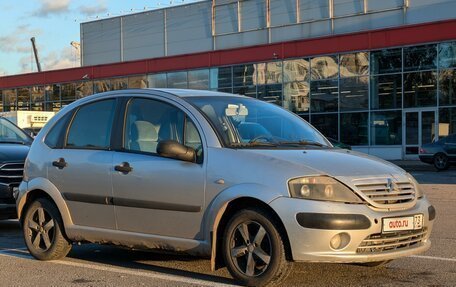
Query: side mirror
175	150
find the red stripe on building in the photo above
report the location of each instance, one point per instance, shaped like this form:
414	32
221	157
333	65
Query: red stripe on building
368	40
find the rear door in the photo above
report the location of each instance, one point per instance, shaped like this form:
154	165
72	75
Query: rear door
158	195
80	169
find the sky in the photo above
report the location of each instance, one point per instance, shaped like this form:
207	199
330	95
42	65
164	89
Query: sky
55	24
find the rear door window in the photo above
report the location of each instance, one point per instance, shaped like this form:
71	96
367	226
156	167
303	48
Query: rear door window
91	126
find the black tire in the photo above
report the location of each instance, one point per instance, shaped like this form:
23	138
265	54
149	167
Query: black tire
263	244
43	231
375	264
441	161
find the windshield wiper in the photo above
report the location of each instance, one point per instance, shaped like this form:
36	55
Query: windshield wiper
255	144
301	142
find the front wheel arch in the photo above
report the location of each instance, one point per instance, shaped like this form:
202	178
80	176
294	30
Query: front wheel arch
231	209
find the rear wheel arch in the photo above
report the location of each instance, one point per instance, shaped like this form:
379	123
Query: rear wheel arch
231	208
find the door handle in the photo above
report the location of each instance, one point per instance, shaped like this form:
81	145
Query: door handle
123	168
60	163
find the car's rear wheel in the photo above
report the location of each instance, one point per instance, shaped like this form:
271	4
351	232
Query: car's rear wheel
254	250
441	161
43	231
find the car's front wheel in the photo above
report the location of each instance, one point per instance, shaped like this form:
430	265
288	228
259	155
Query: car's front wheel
441	161
254	249
43	231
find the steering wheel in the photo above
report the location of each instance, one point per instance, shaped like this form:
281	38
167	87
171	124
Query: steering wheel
259	137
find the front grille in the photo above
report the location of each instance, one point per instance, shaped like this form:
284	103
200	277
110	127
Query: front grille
380	194
384	242
11	173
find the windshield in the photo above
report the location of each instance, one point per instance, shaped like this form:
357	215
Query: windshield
9	133
246	122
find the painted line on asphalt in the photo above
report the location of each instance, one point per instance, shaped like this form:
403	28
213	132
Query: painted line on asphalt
434	258
20	253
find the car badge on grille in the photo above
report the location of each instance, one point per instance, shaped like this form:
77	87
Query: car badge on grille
391	186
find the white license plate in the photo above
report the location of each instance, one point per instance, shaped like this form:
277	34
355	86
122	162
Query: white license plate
403	223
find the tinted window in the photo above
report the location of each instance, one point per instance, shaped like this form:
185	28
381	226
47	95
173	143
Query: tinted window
149	122
54	139
92	125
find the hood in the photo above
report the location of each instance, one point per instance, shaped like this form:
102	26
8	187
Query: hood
13	152
333	162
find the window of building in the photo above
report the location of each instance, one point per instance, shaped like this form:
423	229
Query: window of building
354	93
177	80
23	99
268	73
9	100
386	91
420	89
346	8
249	91
91	126
327	124
119	84
447	55
101	86
356	64
296	97
324	67
68	92
157	81
243	75
324	96
354	128
221	77
271	94
386	128
296	70
37	98
447	87
138	82
447	121
53	93
386	61
420	58
198	79
84	89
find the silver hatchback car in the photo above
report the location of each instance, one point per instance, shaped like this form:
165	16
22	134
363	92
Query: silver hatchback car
244	182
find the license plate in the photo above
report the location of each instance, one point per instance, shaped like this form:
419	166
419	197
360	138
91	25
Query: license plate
413	222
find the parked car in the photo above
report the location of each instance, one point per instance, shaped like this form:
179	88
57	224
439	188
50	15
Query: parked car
339	144
14	146
244	182
441	153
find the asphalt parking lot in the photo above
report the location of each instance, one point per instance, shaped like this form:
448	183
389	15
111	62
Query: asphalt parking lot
95	265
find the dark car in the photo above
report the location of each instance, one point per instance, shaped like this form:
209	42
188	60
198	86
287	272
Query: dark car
14	146
339	144
441	153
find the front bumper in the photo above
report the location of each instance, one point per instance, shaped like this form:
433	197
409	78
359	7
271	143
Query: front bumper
313	244
7	203
427	158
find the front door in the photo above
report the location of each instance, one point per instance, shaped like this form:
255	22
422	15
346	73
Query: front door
154	194
420	128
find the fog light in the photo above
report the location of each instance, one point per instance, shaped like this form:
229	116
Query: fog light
339	241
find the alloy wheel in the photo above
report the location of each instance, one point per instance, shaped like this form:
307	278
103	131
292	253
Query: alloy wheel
251	248
41	227
441	161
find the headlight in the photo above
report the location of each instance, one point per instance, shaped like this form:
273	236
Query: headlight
418	189
321	188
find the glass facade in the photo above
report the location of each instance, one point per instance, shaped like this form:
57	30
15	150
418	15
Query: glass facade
359	98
